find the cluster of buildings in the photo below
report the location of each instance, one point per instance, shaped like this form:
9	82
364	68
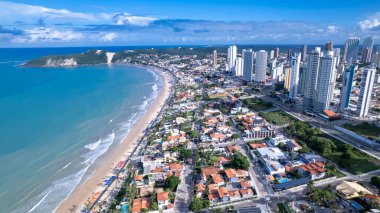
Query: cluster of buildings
283	166
221	182
310	76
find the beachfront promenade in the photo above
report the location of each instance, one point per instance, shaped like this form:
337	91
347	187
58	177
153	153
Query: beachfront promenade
104	200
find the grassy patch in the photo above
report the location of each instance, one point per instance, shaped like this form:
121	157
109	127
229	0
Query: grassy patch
284	208
257	104
346	156
361	163
277	117
365	129
335	172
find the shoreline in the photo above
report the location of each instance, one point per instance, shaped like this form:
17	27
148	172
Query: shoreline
103	170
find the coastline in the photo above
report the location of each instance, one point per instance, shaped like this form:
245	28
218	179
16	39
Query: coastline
103	170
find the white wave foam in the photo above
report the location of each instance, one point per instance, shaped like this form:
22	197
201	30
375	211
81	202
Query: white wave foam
143	105
93	146
101	148
39	202
155	88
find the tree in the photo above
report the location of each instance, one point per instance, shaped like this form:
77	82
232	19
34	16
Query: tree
235	136
239	161
229	123
154	206
196	205
375	180
193	134
184	153
171	183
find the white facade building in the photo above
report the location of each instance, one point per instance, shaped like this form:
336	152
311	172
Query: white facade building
261	66
311	78
248	65
351	49
294	75
367	49
239	66
366	87
326	81
232	51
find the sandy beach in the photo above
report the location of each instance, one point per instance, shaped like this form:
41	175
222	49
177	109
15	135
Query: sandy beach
103	169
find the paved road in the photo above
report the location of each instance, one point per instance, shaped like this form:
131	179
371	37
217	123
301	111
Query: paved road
326	128
185	189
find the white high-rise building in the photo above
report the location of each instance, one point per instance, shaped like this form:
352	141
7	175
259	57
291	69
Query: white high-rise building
277	72
326	81
351	49
367	49
261	66
239	67
304	53
348	78
337	55
276	52
248	65
366	87
215	58
232	51
271	55
311	78
295	61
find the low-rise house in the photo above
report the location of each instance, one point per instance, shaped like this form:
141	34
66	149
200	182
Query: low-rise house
311	158
218	179
241	174
199	188
140	204
292	145
313	170
163	200
231	175
223	194
246	193
272	153
206	171
257	145
234	195
277	140
139	180
231	149
217	137
245	184
213	197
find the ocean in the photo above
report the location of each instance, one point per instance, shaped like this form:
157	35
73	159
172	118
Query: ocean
55	122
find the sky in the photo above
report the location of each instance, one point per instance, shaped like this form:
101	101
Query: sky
52	23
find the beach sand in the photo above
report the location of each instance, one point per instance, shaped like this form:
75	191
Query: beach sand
103	169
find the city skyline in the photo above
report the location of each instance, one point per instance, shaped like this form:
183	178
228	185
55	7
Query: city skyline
100	23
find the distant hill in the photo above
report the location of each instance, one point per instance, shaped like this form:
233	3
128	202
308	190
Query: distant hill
90	57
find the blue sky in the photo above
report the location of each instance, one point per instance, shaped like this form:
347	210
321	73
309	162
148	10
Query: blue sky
160	22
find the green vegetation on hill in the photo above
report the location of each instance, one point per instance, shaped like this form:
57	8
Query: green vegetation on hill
88	58
200	52
344	155
370	131
277	117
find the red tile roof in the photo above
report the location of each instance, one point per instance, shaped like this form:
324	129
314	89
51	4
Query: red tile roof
162	196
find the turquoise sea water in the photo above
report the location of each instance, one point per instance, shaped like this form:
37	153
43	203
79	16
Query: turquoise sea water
54	123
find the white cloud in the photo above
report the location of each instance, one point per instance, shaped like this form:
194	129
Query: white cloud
332	29
125	18
31	14
22	11
371	22
108	37
47	34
